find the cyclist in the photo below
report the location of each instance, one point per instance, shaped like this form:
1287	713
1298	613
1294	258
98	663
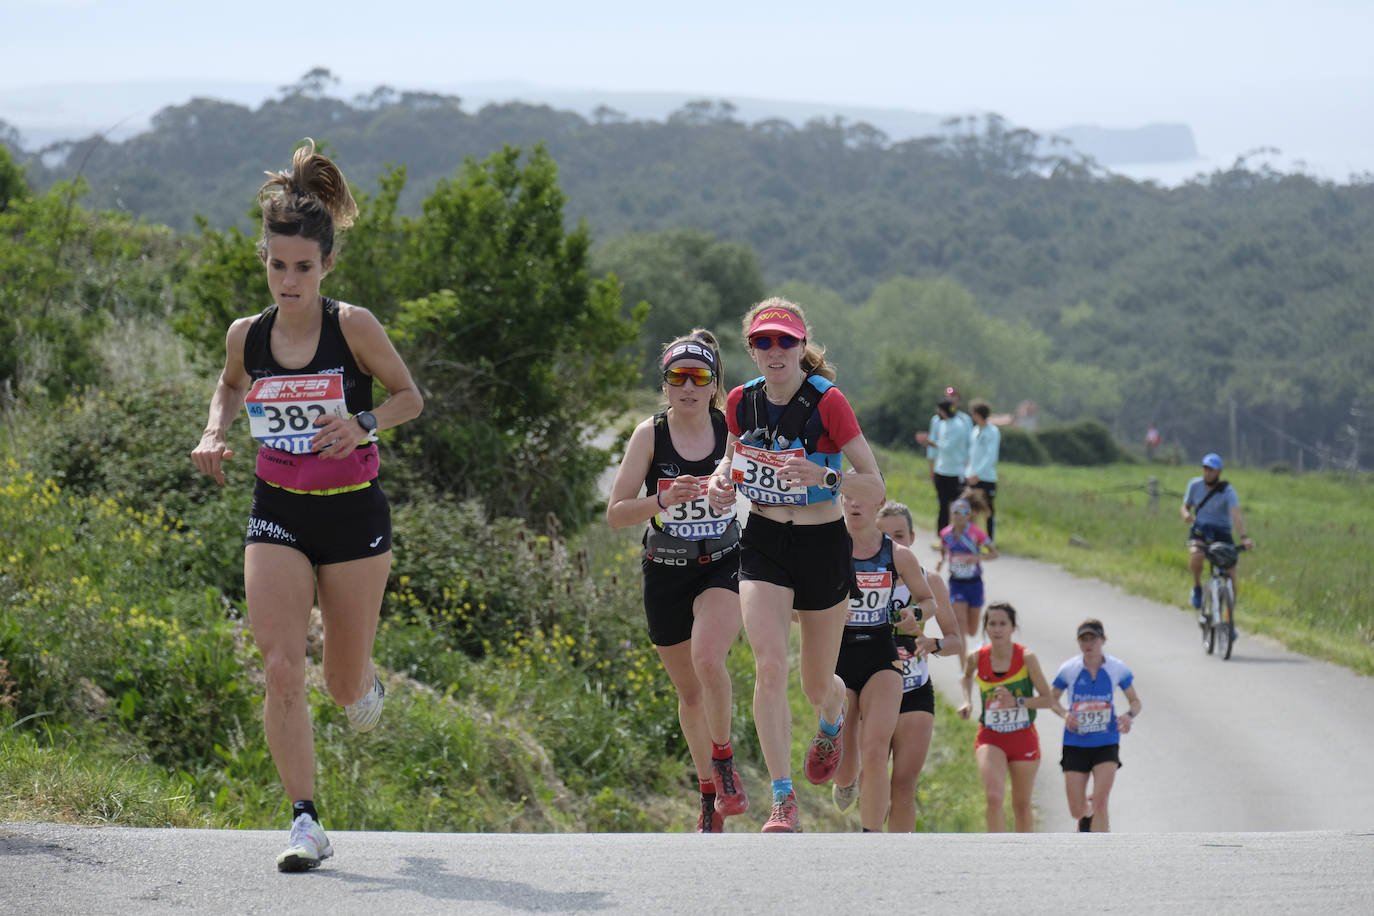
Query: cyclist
1212	509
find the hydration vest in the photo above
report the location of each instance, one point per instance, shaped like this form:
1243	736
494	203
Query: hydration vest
799	425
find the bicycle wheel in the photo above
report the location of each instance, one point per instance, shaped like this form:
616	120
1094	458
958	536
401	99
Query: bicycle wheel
1209	629
1226	626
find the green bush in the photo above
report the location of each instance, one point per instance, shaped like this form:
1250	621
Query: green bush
1082	444
1020	446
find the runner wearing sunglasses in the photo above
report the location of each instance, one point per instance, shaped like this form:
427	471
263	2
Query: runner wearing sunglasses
790	429
691	560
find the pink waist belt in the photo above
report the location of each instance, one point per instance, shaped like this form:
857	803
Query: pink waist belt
311	472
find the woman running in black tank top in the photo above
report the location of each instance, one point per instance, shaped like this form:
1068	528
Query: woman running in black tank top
320	522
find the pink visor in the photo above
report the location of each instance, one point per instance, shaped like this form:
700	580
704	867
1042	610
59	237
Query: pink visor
778	320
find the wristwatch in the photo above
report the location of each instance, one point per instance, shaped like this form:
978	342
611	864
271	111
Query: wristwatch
939	644
366	420
831	480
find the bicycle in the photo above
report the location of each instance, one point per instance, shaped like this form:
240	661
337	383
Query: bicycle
1218	621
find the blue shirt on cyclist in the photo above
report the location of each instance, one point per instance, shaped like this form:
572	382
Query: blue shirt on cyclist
1216	512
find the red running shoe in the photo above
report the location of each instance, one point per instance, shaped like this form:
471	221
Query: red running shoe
730	797
824	754
709	821
785	817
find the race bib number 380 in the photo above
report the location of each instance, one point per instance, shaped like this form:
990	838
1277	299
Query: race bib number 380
695	520
282	409
754	472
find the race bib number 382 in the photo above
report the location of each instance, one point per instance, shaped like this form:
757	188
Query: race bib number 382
754	472
283	409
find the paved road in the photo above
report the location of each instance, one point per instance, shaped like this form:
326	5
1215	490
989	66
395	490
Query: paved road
1269	740
56	870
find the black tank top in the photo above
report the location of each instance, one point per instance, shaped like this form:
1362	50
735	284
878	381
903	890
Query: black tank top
667	463
332	355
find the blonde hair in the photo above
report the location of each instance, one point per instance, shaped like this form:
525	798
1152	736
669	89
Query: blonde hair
893	508
702	336
311	201
813	355
977	500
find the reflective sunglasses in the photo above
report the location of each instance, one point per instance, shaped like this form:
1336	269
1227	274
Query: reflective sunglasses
959	511
678	377
763	342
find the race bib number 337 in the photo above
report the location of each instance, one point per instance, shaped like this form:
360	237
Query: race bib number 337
754	472
283	409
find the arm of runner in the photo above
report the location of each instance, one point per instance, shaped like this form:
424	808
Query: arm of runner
966	685
1124	722
720	490
1043	698
987	549
376	356
225	404
950	631
625	506
1070	720
864	480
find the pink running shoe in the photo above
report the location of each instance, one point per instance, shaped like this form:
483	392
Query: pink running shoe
710	821
785	817
730	797
824	754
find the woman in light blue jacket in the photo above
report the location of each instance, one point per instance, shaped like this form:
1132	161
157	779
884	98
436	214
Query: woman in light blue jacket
984	450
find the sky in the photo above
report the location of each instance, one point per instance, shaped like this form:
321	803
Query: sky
1297	75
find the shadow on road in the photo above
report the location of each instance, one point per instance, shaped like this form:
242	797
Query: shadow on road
432	878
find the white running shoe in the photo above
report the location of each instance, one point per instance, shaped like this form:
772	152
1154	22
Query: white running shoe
308	847
845	796
367	712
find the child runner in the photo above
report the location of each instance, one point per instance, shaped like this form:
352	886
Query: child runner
963	546
916	721
868	662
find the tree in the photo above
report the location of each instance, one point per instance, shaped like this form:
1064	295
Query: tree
313	83
689	279
12	184
517	348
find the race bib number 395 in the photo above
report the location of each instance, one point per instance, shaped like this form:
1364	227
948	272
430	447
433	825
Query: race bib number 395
754	472
695	520
1093	716
282	409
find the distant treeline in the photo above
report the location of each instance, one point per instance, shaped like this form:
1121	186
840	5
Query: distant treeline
1241	297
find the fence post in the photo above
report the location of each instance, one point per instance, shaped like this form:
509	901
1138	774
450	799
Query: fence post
1152	486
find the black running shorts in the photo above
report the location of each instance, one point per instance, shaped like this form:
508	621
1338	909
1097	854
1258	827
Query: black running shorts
327	529
670	593
812	560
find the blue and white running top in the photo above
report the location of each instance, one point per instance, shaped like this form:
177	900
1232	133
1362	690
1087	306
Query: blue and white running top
1091	699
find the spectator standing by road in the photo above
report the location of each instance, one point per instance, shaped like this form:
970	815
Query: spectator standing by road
947	447
985	448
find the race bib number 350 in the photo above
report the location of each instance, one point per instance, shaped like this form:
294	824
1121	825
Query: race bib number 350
282	409
695	520
754	472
